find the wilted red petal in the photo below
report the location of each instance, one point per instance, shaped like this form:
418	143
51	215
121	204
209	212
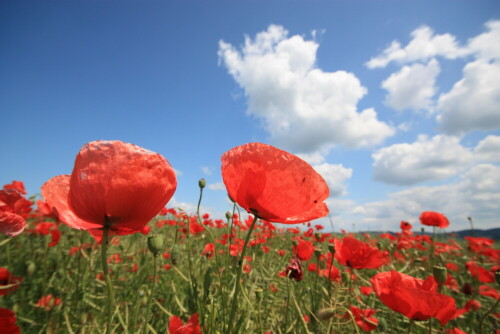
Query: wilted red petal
121	181
55	192
274	184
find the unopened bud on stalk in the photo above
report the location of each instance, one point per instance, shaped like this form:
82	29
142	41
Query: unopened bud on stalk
325	314
345	276
331	249
317	253
440	275
258	294
202	183
155	243
31	268
228	215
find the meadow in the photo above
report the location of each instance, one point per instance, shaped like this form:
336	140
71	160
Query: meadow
65	271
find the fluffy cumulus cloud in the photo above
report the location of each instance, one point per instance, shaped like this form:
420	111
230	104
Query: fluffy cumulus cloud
336	176
488	149
413	86
476	195
303	108
427	159
424	45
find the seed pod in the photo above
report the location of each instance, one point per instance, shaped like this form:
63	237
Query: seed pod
155	243
440	275
325	314
202	183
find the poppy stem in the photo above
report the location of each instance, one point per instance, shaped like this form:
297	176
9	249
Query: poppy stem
237	284
109	286
410	326
486	314
155	256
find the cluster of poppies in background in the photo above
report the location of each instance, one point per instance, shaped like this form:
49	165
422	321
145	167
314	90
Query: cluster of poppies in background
116	189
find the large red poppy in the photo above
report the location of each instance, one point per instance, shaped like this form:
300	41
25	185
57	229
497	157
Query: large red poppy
431	218
273	184
358	254
176	326
414	298
8	322
112	182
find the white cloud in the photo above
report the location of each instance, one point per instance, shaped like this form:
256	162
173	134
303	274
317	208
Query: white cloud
177	172
427	159
217	186
336	176
206	170
412	87
473	102
488	149
486	46
303	108
476	195
423	46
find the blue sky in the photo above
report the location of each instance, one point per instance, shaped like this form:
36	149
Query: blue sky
395	103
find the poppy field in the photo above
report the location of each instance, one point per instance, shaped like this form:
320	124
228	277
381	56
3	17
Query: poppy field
101	251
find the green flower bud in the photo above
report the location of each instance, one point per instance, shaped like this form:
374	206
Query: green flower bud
258	294
155	243
440	274
331	249
202	183
325	314
31	268
345	276
317	253
228	215
497	276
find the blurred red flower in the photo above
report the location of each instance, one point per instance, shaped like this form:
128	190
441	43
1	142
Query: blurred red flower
479	272
488	291
209	250
358	254
48	302
304	250
294	269
112	183
364	318
8	322
414	298
16	185
273	184
431	218
8	279
176	326
14	209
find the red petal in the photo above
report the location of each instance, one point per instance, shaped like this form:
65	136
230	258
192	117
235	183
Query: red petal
55	192
11	224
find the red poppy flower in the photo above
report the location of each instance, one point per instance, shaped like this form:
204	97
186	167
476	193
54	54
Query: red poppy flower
8	322
304	250
358	254
112	183
455	330
176	326
48	302
431	218
488	291
273	184
364	318
479	272
7	279
16	185
14	209
294	269
209	250
414	298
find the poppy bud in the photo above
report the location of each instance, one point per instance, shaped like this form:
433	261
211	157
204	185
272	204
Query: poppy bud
440	275
331	249
345	276
174	254
31	268
202	183
228	215
325	314
317	253
258	294
155	243
497	276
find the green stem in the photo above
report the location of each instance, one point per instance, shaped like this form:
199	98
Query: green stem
237	286
152	293
486	314
410	326
109	286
